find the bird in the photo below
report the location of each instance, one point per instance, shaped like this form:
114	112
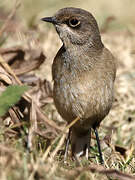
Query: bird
83	72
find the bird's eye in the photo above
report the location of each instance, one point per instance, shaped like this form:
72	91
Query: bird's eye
74	22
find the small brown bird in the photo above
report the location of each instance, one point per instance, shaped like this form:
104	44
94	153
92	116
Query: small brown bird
83	72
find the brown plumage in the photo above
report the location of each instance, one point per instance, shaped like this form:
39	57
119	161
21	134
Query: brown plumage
83	72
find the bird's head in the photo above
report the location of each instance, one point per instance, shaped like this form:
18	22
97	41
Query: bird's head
76	26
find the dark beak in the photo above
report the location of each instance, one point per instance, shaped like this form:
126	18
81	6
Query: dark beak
49	19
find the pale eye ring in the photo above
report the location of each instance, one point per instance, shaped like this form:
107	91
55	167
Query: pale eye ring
74	22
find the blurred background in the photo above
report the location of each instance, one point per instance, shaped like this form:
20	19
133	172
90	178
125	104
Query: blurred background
122	10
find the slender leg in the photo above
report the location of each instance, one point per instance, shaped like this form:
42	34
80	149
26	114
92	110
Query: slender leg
99	148
67	146
88	145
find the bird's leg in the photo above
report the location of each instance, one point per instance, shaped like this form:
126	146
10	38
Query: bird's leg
88	146
67	146
99	148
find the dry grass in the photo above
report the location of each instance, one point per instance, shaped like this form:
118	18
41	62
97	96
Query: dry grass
116	131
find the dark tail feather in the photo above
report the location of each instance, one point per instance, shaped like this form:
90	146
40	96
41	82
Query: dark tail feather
80	143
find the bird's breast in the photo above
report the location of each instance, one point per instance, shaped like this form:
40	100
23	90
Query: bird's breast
83	86
86	96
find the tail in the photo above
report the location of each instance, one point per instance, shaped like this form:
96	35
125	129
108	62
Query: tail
80	143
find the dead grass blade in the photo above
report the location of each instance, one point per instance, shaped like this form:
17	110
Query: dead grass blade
5	77
33	126
13	114
9	70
